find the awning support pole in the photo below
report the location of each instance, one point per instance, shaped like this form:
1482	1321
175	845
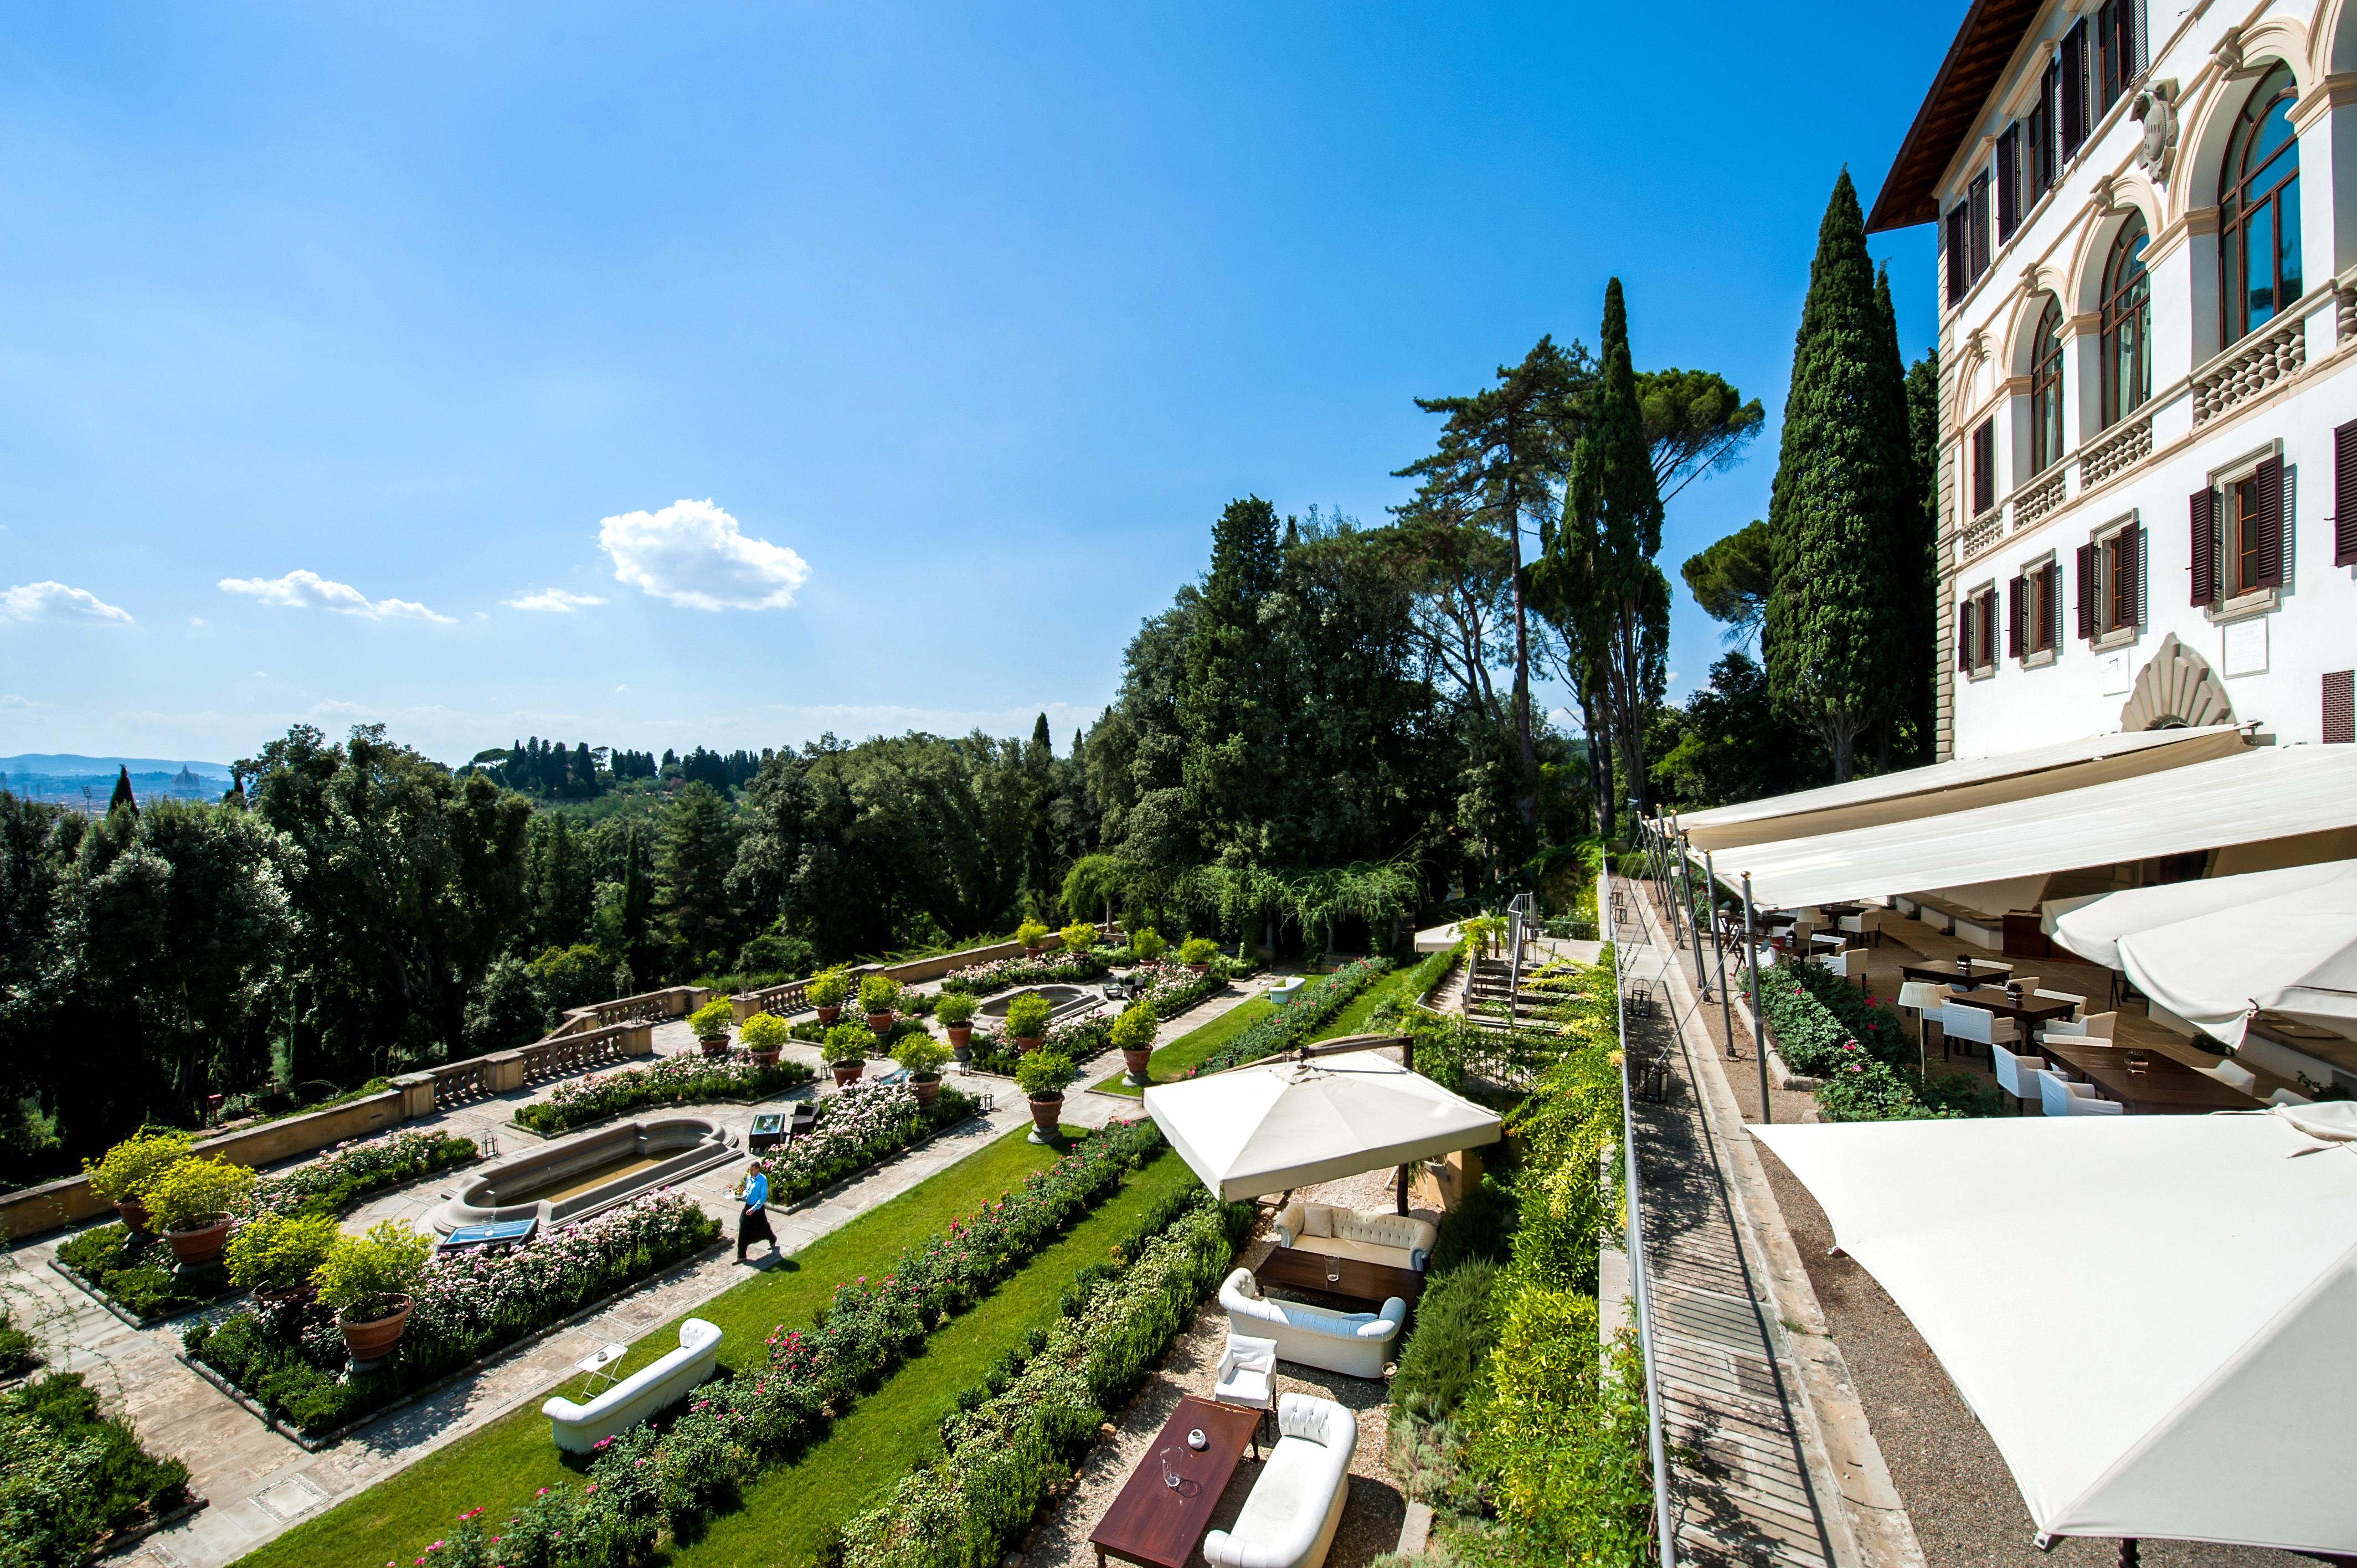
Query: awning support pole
1693	923
1759	1031
1718	946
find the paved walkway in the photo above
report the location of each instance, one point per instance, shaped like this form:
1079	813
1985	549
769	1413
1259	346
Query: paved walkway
259	1483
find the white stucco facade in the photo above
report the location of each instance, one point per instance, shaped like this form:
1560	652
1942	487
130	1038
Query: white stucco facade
2218	407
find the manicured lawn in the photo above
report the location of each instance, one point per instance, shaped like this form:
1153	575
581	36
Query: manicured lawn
1405	984
1172	1061
501	1464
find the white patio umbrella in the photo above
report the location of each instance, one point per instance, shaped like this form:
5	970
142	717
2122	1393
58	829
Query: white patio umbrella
2091	926
2150	1315
1286	1124
2294	954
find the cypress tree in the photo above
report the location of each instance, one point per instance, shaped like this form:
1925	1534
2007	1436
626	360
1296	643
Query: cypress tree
1837	493
1906	622
122	796
1923	445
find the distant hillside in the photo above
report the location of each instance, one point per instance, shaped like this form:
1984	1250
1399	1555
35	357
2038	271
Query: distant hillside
64	765
87	783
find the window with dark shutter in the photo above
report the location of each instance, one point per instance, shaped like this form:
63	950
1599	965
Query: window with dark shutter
1977	195
2050	608
2042	133
1957	281
2344	495
2086	592
1965	638
2204	506
2269	573
2013	619
2073	116
1987	649
2008	182
2127	590
1984	465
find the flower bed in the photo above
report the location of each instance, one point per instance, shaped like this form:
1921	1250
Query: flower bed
1061	969
70	1478
1076	1038
1823	1028
646	1482
682	1079
137	1273
292	1360
865	1123
1288	1025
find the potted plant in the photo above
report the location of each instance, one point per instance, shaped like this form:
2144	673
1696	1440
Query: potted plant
1026	1020
1042	1077
878	993
367	1282
1197	953
1146	945
1132	1032
826	990
126	1170
1080	937
922	1056
190	1202
765	1034
1032	935
956	1010
275	1255
847	1045
711	1023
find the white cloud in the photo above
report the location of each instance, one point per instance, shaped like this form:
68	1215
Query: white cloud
26	705
555	601
309	590
195	620
693	554
55	601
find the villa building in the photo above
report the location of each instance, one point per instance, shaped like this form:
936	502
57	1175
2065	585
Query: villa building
2147	222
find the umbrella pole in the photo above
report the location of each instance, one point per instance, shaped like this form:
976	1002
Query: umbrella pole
1403	1189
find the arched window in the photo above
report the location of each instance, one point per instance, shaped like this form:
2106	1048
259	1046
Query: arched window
2046	390
2127	326
2259	211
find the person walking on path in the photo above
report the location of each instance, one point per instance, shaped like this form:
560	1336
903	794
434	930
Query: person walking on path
754	1223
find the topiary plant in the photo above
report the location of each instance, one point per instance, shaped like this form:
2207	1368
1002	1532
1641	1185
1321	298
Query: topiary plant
1044	1075
849	1043
828	987
1198	949
1134	1030
1148	945
125	1171
955	1009
920	1055
363	1278
1079	937
765	1032
279	1252
195	1191
1032	933
712	1020
1026	1016
878	993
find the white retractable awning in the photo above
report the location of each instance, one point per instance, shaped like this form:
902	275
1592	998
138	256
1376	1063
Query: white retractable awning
2264	792
2294	955
2150	1315
1956	786
2091	926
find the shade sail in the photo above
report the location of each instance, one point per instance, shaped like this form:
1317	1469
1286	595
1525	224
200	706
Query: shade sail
2093	926
1291	1123
2294	954
2264	792
1955	786
2150	1315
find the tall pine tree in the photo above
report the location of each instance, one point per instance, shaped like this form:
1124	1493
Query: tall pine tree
1228	705
1837	497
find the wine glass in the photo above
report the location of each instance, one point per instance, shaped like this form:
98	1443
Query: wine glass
1170	1476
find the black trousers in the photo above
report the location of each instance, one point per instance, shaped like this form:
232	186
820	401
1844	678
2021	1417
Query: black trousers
754	1226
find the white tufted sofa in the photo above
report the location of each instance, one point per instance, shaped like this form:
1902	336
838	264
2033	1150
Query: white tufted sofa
1296	1505
1355	1343
578	1427
1399	1240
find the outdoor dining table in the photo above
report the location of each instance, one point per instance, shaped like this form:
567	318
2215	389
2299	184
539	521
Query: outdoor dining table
2030	1010
1948	974
2165	1087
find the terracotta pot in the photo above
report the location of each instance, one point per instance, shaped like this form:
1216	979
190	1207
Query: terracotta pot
200	1245
1200	968
768	1057
373	1339
960	1034
1045	1113
718	1047
829	1015
878	1023
1135	1061
134	1214
928	1090
848	1073
1025	1043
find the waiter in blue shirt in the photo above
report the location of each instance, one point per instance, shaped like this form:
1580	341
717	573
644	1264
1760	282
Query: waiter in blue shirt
754	1224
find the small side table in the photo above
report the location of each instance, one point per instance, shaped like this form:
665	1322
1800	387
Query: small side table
599	1365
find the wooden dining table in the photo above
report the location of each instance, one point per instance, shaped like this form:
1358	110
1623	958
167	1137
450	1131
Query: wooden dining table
1947	973
2165	1087
2032	1009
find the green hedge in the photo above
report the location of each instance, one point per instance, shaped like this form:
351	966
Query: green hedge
1291	1025
69	1474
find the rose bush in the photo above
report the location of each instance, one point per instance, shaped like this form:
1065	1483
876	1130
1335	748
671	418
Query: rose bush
673	1081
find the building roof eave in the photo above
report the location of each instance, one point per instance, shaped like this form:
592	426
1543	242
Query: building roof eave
1985	44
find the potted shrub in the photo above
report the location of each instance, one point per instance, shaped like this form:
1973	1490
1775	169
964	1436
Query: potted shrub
956	1010
1032	935
275	1255
190	1202
1080	937
1146	945
1042	1077
1026	1020
765	1034
878	993
1197	953
711	1023
126	1171
922	1056
1132	1032
826	990
847	1045
367	1282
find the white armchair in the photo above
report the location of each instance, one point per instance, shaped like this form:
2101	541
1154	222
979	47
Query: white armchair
2023	1076
2064	1098
1297	1503
1867	926
1978	1026
1355	1343
1247	1376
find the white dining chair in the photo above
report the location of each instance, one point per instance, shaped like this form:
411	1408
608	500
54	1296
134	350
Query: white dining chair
2234	1075
1849	963
2064	1098
2029	983
1865	926
2022	1076
2076	1001
2099	1027
1975	1025
2288	1097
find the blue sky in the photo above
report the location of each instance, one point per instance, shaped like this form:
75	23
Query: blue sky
345	350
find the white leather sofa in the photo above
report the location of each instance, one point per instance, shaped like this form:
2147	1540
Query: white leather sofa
1296	1505
578	1427
1377	1237
1355	1343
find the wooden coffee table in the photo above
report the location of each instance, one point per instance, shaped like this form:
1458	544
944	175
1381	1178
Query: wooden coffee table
1157	1525
1358	1279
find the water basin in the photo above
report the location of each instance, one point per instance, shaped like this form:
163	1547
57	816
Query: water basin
580	1176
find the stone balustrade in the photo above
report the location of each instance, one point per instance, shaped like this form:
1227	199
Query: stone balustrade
2118	452
2250	369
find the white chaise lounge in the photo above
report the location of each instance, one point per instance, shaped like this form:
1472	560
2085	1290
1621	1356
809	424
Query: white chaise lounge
1355	1343
1399	1240
578	1427
1296	1505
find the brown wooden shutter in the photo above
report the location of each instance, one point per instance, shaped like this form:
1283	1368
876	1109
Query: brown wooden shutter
2271	529
1965	638
2205	547
2074	88
1956	253
1977	195
2132	573
2050	630
2013	619
2344	495
1988	628
2086	592
2008	182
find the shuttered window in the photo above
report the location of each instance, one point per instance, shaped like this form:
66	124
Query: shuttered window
2049	607
2086	564
1988	628
2265	524
2073	116
2013	619
2042	133
2008	182
2344	495
1965	619
2126	597
1984	465
2119	41
1958	281
2204	546
1977	227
